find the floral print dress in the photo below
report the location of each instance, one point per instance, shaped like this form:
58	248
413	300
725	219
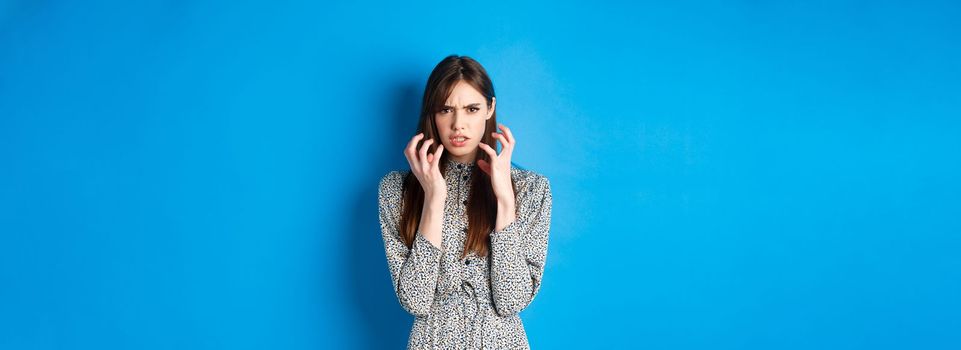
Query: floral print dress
469	303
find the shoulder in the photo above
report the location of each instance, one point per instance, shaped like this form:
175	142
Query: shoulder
391	185
527	176
393	178
530	183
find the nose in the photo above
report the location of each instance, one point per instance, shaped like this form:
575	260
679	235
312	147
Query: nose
459	121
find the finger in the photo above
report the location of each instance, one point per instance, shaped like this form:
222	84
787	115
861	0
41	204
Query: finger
509	134
503	139
506	147
507	143
483	165
410	150
423	154
409	161
411	158
437	153
490	151
412	145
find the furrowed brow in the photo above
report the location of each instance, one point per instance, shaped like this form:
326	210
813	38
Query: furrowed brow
475	105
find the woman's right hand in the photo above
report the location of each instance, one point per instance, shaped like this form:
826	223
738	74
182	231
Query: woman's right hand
426	167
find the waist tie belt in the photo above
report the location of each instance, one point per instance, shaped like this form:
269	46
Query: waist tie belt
468	306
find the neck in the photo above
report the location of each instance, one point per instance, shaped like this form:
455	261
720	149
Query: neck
465	159
458	161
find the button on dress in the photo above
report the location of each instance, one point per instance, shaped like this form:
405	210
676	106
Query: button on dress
470	303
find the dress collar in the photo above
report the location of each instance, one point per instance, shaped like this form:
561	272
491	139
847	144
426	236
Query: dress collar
454	166
456	163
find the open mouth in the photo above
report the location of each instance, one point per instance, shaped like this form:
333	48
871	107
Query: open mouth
458	141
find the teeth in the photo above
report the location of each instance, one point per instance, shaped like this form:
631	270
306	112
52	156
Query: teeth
459	139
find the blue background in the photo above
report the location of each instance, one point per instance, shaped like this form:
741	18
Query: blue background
726	175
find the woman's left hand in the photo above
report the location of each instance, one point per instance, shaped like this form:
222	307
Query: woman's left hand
499	169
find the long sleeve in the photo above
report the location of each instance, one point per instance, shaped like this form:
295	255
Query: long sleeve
413	271
518	252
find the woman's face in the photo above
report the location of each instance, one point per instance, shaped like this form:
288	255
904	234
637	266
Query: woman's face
461	122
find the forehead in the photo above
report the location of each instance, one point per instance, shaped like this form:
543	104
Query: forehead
464	94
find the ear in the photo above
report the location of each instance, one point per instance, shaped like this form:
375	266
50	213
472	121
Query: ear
490	113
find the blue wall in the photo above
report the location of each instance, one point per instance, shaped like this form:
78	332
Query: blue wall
726	175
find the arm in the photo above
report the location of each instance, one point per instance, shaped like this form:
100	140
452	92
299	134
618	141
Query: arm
413	270
519	250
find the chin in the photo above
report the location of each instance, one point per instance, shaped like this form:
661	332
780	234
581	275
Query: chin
461	152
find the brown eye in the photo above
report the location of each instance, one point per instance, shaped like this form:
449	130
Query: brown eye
474	109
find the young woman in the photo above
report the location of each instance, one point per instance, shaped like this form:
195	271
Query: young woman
465	232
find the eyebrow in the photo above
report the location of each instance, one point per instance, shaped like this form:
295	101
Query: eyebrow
467	106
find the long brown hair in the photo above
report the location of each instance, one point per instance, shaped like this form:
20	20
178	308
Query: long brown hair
481	203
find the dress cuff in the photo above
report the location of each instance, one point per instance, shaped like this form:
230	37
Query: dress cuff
511	232
423	245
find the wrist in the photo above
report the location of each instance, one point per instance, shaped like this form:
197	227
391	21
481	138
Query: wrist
506	214
436	202
431	219
435	198
505	204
